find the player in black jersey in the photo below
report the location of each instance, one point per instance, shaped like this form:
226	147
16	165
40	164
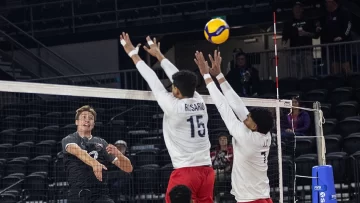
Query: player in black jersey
86	158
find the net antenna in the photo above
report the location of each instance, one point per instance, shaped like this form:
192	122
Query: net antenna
278	129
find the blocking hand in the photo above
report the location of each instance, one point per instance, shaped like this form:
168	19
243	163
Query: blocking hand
127	44
201	63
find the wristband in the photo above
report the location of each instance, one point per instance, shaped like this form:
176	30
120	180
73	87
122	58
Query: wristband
134	52
206	76
218	77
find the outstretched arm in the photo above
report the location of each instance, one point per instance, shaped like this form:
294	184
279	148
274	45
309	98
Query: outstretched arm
234	126
154	51
164	99
231	96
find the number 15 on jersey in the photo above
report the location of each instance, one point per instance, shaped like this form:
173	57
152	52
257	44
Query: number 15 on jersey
200	125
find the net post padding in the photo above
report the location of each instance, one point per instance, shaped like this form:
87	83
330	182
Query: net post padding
320	140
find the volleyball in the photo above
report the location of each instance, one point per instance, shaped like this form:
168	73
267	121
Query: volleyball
217	31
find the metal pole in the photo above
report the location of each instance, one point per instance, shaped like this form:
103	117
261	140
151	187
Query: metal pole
320	142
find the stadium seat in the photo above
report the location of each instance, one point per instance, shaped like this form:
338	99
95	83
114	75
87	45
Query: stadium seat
67	130
331	82
164	157
338	160
51	119
288	171
319	95
357	94
326	109
288	84
157	141
59	168
304	164
46	147
290	95
27	134
119	184
352	143
11	122
333	143
146	157
39	164
346	109
4	149
347	127
31	121
354	81
114	112
156	122
305	146
20	150
353	169
10	180
17	165
36	187
146	179
8	136
48	133
329	126
8	198
340	95
165	173
69	117
308	84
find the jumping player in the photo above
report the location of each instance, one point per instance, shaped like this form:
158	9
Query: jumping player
85	159
251	137
184	124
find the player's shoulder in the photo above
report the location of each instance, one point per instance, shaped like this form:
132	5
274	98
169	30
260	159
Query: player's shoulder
98	139
70	136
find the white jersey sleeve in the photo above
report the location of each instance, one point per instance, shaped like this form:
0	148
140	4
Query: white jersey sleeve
234	101
169	68
165	99
234	126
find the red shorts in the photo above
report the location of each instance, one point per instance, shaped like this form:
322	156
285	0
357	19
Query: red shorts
268	200
199	179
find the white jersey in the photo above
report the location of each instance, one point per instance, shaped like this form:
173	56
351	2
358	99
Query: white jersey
184	123
251	149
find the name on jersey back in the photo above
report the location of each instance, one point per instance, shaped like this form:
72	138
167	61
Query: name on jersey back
195	107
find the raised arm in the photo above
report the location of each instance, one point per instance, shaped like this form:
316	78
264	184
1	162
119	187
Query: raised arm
154	50
164	99
231	96
234	126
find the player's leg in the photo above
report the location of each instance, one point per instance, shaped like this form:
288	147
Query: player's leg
181	176
205	192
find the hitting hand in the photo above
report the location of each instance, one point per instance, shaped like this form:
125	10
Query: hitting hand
97	169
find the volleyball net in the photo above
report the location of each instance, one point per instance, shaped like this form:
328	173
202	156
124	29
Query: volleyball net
36	117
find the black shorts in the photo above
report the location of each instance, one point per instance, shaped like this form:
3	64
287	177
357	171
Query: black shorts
340	53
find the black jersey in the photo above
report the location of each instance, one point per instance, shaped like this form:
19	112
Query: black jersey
80	175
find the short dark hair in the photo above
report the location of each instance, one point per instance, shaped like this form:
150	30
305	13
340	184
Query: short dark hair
180	194
186	82
263	119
